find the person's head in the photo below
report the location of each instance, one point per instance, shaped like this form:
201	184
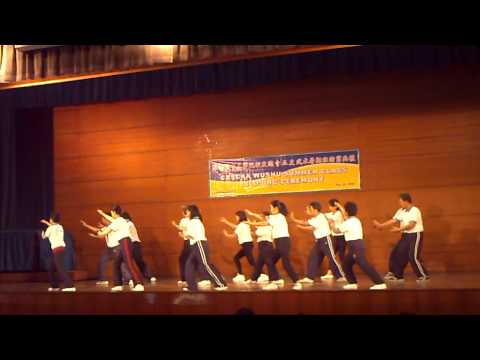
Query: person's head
331	205
126	216
184	211
405	200
54	217
241	216
314	208
116	211
351	208
192	211
278	207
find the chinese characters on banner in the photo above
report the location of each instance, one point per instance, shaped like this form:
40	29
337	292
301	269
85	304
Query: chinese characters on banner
320	171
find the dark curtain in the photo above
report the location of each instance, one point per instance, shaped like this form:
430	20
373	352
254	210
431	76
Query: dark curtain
342	63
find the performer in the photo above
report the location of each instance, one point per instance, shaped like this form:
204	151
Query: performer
121	233
137	249
281	238
244	236
323	245
265	256
112	249
352	228
408	221
199	253
56	263
339	244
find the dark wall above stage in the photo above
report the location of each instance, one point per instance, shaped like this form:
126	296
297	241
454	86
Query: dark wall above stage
417	131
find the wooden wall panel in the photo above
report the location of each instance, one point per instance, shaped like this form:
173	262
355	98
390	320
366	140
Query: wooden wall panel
417	131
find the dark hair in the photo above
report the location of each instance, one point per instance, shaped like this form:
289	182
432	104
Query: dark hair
242	216
332	202
282	208
406	197
194	212
184	209
351	208
117	209
126	216
55	216
316	205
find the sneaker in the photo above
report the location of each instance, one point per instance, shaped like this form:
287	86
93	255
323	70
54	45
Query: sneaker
423	278
102	283
153	279
204	283
181	283
70	289
263	278
298	286
341	279
117	288
239	278
271	286
394	278
138	287
378	287
221	288
185	289
53	289
279	282
306	280
389	275
131	284
250	281
327	276
350	287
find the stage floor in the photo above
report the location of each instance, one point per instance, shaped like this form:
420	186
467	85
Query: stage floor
457	293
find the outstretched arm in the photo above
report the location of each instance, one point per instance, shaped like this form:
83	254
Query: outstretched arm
106	216
255	215
95	236
89	227
298	221
228	223
258	223
386	224
303	227
104	232
229	235
408	226
342	210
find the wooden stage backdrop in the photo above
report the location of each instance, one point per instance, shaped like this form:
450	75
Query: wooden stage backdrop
417	131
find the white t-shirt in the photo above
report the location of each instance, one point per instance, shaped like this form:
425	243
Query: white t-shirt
405	216
320	225
111	243
196	230
337	218
352	228
183	225
133	231
120	229
55	235
279	226
244	233
264	233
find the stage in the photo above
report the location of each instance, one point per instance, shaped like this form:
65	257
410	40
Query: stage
457	293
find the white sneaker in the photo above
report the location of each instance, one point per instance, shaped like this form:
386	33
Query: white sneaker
263	278
221	288
422	279
130	284
271	286
341	279
279	282
153	279
204	283
306	280
378	287
298	286
138	287
53	289
250	281
350	287
117	288
185	289
101	283
181	283
327	276
71	289
239	278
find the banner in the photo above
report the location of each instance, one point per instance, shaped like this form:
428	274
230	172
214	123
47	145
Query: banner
319	171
